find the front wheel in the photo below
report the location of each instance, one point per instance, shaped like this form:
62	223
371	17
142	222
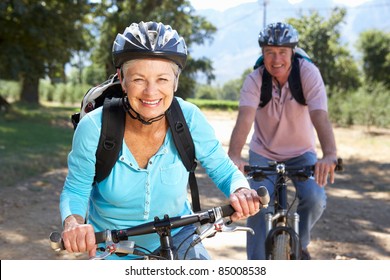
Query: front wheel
281	248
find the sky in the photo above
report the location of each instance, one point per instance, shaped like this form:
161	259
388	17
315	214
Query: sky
222	5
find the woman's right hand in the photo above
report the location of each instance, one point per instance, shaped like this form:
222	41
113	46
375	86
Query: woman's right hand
79	237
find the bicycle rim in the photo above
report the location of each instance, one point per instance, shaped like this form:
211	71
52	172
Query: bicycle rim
281	249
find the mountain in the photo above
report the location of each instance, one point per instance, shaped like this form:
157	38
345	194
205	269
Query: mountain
235	47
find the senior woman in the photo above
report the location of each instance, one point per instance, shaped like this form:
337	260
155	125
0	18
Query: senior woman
149	178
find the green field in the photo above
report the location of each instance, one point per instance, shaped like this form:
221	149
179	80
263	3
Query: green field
33	140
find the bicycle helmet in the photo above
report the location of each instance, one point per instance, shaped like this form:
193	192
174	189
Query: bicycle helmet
279	34
150	39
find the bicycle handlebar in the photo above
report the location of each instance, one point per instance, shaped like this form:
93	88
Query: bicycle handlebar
258	173
208	216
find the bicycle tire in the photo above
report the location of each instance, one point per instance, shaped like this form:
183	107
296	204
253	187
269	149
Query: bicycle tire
281	249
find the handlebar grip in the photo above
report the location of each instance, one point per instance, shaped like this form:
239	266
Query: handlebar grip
227	210
100	237
56	242
339	165
262	192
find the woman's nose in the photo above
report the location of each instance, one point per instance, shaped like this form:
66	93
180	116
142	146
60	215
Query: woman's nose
150	87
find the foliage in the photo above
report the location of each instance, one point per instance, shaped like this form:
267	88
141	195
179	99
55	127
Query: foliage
320	38
117	15
375	48
207	92
369	106
10	90
215	104
94	75
37	39
59	93
231	89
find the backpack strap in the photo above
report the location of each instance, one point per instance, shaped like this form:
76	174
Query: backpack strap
111	137
294	81
185	146
266	88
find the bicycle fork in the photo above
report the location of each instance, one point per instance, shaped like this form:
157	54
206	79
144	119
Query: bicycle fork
282	223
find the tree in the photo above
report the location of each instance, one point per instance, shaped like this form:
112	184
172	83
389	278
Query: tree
231	89
321	40
37	38
375	47
117	15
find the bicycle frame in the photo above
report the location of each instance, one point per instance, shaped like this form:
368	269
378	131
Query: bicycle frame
278	223
282	226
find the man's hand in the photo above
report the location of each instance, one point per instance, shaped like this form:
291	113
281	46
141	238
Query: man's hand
325	167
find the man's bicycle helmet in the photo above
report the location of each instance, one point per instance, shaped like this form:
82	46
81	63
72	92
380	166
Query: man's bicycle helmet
149	39
279	34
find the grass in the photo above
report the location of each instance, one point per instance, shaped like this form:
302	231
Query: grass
33	140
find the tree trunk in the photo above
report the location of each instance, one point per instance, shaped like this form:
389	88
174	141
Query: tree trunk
30	86
4	105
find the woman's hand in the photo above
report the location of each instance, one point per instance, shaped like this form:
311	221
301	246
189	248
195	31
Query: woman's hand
79	237
246	202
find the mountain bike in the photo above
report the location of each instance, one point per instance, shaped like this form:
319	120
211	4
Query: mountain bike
211	222
282	226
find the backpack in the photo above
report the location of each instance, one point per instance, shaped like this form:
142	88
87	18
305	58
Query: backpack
109	95
294	79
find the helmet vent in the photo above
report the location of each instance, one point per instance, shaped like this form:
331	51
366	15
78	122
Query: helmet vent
152	38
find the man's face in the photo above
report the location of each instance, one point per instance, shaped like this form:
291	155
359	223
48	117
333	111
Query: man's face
277	61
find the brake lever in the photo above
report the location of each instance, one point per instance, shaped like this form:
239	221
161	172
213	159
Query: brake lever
110	248
123	246
101	256
228	228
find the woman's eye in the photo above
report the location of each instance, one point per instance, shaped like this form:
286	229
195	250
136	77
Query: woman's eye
163	80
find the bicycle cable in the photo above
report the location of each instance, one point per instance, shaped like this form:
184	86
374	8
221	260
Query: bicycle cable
185	254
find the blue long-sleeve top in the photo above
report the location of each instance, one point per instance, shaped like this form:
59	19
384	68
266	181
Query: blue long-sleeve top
131	195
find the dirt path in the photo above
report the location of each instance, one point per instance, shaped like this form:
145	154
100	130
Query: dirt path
356	223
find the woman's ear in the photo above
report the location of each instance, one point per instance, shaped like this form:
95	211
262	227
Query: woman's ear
176	83
119	72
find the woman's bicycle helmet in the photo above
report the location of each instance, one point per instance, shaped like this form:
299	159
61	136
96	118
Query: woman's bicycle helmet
279	34
150	39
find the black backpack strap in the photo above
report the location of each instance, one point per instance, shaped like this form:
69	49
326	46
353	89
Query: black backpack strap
185	146
111	137
294	81
266	88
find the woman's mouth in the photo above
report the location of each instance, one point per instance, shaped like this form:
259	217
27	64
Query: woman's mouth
150	102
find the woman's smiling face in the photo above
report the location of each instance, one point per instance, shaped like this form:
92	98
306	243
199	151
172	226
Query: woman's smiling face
150	84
